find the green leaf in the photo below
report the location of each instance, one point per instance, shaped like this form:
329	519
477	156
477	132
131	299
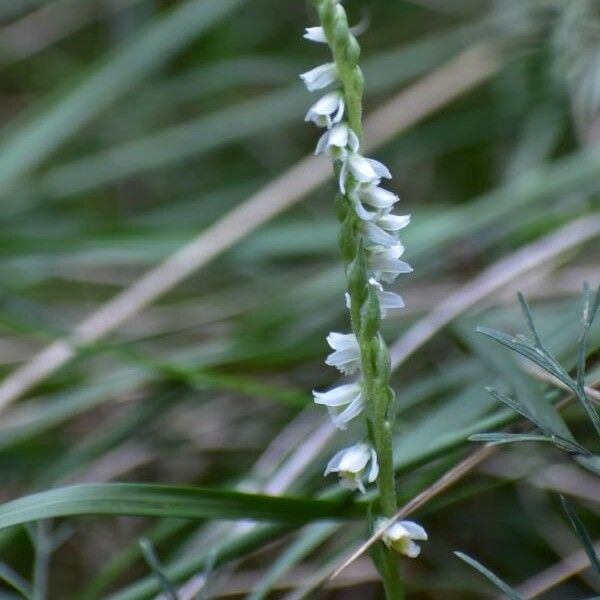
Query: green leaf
528	392
526	348
557	439
582	533
590	307
170	501
503	587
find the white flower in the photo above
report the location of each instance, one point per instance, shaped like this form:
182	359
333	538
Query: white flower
391	222
382	229
315	34
351	466
327	110
385	264
375	197
337	140
346	355
348	395
363	170
400	536
378	235
387	300
319	77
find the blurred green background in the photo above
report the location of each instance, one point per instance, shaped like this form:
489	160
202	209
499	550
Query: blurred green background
130	127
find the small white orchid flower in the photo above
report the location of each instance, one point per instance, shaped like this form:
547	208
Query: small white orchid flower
375	197
349	395
351	466
320	77
315	34
400	536
327	111
387	300
381	230
363	170
391	222
377	235
346	352
385	264
336	141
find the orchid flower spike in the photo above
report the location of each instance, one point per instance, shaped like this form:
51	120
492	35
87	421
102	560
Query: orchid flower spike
351	466
346	352
349	396
400	537
320	77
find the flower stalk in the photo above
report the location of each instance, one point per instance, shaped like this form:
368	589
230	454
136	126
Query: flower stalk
371	253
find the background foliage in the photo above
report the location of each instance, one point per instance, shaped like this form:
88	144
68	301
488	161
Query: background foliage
129	127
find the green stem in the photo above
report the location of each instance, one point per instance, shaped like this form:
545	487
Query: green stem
364	304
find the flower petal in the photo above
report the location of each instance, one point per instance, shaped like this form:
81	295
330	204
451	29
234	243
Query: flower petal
354	409
334	462
380	168
338	396
315	34
378	235
415	531
411	549
393	222
319	77
374	472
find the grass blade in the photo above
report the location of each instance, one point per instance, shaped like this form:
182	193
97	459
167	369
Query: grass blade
169	501
15	581
503	587
582	533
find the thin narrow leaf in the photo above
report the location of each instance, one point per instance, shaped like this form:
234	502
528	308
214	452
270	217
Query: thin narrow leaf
503	587
559	440
154	563
14	580
526	348
169	501
590	307
582	533
529	318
